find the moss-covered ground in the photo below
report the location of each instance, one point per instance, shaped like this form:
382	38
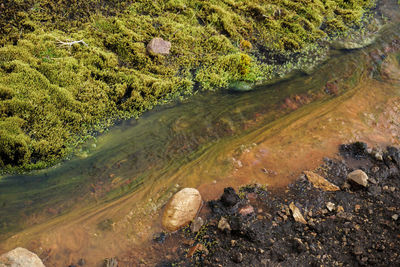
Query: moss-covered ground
52	96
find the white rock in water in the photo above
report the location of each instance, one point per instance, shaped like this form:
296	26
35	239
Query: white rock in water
358	177
181	209
20	257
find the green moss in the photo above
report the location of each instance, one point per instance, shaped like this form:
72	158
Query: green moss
59	94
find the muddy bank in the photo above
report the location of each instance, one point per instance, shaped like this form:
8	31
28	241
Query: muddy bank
353	226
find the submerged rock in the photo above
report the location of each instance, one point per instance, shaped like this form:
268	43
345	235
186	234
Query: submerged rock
181	209
320	182
20	257
158	46
358	177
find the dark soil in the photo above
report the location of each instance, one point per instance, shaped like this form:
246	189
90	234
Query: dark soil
361	230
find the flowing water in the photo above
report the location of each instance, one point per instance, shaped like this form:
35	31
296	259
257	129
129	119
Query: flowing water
108	198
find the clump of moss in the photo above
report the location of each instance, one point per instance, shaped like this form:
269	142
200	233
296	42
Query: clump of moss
52	95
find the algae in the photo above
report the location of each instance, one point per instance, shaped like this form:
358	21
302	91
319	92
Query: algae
53	95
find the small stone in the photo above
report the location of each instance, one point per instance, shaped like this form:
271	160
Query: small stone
378	156
237	257
340	209
372	180
229	198
395	217
246	210
386	187
357	207
158	46
358	177
223	224
298	217
330	206
392	188
196	224
233	242
320	182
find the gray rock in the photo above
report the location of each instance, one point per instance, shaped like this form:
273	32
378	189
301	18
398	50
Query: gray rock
358	177
20	257
158	46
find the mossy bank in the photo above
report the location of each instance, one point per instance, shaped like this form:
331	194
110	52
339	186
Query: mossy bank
52	96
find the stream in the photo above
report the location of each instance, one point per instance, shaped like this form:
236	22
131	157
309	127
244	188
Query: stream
108	197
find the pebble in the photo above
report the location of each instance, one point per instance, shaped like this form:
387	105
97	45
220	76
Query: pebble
358	177
196	224
330	206
395	217
298	217
237	257
246	210
223	224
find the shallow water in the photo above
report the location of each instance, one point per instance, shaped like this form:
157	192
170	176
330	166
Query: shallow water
113	190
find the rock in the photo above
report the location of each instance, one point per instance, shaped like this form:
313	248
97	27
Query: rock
237	257
181	209
320	182
330	206
378	156
395	217
246	210
20	257
298	217
358	177
229	198
223	224
158	46
196	224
